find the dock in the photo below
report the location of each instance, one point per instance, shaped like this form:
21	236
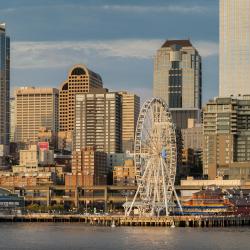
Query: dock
120	220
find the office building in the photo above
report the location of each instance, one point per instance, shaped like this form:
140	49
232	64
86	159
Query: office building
98	120
80	80
226	142
192	136
130	113
178	80
234	47
4	86
89	168
124	175
35	108
12	119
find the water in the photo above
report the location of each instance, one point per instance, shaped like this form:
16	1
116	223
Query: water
48	236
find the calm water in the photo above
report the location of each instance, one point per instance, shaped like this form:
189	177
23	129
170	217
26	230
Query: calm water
78	236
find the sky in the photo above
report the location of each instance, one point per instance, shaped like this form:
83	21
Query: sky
115	38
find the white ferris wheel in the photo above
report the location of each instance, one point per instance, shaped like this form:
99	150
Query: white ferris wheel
155	157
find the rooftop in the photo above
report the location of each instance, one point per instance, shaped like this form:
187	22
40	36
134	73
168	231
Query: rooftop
182	43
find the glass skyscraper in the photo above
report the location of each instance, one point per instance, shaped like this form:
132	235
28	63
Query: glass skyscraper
234	47
4	85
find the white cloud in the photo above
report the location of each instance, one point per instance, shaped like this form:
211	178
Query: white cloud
66	53
207	48
159	9
142	9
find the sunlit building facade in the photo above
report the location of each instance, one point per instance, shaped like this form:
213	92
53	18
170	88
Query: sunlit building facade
178	80
130	113
35	108
80	80
234	47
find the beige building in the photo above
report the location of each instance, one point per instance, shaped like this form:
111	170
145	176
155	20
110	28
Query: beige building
98	122
130	113
226	145
12	119
234	47
80	80
35	108
29	157
192	136
34	157
124	175
178	80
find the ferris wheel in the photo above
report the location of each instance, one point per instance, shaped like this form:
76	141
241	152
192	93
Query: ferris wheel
155	157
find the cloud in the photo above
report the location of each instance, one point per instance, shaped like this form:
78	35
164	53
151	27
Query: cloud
207	49
158	9
143	9
65	53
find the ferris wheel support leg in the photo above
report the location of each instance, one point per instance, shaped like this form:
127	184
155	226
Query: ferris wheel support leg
164	189
133	202
178	201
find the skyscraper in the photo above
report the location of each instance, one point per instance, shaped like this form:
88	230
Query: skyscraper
12	119
130	113
80	80
35	108
178	79
4	86
98	122
226	129
234	47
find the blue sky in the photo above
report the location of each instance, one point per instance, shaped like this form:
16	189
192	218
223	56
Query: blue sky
115	38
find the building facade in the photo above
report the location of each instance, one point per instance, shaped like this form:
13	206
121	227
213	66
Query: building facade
98	119
130	113
125	175
89	168
12	119
4	86
234	47
80	80
192	136
35	108
226	124
178	79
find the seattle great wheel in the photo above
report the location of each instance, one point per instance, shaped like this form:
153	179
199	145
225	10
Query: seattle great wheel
155	157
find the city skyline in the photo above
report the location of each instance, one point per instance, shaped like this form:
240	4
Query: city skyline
121	51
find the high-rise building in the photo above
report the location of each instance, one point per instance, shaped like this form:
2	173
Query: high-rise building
35	108
234	47
98	122
178	80
4	86
130	113
12	118
80	80
226	145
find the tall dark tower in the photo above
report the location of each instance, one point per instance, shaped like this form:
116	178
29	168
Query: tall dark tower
4	86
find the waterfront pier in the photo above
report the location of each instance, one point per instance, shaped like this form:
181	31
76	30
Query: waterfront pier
118	220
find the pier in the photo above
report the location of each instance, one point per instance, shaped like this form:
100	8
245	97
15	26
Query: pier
118	220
